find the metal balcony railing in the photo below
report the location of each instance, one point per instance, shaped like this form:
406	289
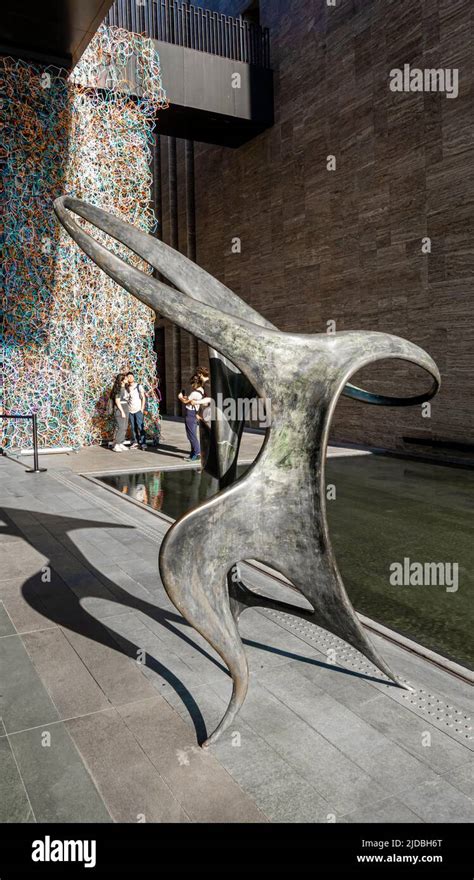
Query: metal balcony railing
178	22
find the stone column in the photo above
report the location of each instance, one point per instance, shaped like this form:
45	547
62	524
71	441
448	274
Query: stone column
191	228
174	405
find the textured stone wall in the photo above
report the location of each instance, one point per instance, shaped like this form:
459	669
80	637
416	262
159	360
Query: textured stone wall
346	245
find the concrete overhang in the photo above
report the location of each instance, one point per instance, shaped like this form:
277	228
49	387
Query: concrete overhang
50	31
213	99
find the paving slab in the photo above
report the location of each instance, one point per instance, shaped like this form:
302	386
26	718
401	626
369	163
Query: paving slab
439	801
389	811
58	785
6	625
164	669
462	778
9	534
121	581
14	803
440	751
25	701
71	686
116	673
24	558
341	782
387	762
129	783
16	594
282	794
195	776
349	689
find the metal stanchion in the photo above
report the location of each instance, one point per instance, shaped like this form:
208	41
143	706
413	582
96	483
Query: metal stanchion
36	468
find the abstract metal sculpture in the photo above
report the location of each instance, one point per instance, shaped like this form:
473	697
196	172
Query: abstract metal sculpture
276	512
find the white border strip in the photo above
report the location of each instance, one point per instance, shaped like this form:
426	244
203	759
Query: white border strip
415	648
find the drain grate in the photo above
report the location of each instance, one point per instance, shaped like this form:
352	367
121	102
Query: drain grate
446	717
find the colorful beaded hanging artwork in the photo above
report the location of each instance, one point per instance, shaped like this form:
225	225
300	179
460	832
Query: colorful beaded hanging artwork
66	328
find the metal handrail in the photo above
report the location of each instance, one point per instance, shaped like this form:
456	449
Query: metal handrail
35	469
181	23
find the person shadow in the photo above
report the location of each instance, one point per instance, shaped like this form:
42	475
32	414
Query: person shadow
103	423
61	602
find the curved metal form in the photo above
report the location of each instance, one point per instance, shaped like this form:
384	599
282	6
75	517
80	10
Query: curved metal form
275	513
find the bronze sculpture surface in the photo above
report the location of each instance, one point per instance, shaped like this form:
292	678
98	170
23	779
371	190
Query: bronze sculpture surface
276	512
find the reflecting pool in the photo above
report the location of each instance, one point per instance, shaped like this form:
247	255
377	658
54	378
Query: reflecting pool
402	534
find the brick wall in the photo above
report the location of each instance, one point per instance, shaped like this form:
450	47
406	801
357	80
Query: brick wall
347	245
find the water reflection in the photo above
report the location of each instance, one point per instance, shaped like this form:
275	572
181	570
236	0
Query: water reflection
382	511
173	492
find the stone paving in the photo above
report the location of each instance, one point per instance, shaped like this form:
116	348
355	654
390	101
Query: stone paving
106	691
